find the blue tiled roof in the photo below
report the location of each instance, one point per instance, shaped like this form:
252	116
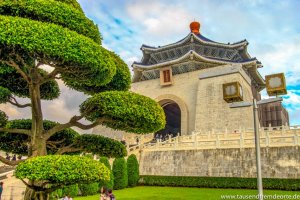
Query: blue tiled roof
208	40
212	58
205	39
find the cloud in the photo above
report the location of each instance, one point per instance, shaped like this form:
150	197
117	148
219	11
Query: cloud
273	39
12	112
292	104
271	29
283	57
159	19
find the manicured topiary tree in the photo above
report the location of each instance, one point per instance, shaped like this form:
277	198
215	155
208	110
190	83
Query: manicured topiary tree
133	170
110	183
64	141
51	173
120	173
56	33
91	188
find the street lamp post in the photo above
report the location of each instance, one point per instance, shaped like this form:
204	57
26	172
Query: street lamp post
257	137
257	149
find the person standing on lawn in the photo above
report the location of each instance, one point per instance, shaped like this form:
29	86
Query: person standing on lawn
1	189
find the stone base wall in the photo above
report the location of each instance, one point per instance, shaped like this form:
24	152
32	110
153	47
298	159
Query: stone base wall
277	162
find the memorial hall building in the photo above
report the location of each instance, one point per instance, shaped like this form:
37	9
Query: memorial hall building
196	79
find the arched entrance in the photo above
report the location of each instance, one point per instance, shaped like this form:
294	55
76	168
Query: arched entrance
173	119
166	99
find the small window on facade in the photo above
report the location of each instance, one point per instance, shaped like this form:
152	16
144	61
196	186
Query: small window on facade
166	76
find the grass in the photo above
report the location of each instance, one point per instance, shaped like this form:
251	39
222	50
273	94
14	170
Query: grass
180	193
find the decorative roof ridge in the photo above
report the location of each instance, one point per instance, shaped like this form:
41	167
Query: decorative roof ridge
198	37
205	40
190	54
166	46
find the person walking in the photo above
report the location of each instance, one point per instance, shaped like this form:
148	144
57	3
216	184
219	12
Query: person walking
67	197
111	196
1	189
103	194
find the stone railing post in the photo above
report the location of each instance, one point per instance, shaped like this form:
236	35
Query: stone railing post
195	140
241	140
226	132
217	142
283	130
270	127
267	139
157	144
176	143
296	138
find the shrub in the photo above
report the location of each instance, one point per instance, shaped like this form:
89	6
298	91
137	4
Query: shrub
89	189
62	169
3	118
120	173
56	194
220	182
133	170
110	183
71	190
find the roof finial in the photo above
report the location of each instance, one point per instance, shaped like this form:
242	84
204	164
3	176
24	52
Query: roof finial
195	27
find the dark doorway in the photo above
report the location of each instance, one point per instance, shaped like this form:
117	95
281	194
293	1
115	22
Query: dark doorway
173	121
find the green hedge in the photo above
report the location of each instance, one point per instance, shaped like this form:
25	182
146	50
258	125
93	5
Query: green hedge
3	118
72	190
56	194
133	170
220	182
120	173
108	184
89	189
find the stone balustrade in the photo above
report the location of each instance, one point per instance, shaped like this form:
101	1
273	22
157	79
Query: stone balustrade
283	136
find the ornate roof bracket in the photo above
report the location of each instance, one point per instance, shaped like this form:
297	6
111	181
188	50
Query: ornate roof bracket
200	38
189	54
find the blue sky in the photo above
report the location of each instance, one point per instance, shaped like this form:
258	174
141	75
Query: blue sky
271	27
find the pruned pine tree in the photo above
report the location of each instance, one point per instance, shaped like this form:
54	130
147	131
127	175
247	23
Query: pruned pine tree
56	33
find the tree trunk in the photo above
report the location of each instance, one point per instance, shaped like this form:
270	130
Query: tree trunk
29	194
38	142
32	195
42	196
37	146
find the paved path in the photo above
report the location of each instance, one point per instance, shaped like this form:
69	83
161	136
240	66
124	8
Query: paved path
13	188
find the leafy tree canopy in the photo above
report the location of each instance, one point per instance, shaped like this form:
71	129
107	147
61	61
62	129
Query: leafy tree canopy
61	170
56	33
125	111
65	141
16	85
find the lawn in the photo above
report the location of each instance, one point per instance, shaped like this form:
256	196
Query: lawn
180	193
